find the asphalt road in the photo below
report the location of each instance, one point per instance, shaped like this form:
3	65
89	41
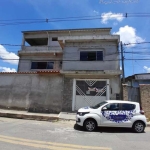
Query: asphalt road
18	134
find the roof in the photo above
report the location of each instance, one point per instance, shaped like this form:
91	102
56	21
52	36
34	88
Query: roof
139	76
64	30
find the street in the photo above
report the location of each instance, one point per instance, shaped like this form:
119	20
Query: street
17	134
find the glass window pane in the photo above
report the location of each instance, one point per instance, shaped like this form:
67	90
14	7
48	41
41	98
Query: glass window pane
42	65
50	65
113	106
127	107
91	56
38	65
83	56
34	65
99	55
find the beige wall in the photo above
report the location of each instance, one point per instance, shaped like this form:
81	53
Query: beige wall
125	92
145	98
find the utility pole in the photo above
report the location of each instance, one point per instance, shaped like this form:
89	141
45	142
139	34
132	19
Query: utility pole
122	60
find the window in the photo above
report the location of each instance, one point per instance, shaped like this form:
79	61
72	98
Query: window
54	39
36	42
127	106
99	105
113	106
42	65
91	55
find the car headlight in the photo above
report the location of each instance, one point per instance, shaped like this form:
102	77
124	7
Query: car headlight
82	113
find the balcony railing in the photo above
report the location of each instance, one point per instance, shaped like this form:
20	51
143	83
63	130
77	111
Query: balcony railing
41	49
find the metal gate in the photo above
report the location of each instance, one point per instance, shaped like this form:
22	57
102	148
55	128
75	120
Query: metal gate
134	94
90	92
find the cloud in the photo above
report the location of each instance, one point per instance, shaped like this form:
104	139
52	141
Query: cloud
8	56
128	35
111	16
95	12
147	69
5	69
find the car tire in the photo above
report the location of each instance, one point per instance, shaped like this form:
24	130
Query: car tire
90	125
138	127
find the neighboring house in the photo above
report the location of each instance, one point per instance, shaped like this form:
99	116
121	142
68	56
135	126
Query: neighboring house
86	60
137	79
137	89
133	85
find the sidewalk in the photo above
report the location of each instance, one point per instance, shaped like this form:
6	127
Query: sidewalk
40	116
28	115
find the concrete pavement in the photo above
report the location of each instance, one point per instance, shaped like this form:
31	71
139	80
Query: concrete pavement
16	134
39	116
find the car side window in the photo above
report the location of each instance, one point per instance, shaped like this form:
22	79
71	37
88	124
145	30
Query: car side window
126	106
112	107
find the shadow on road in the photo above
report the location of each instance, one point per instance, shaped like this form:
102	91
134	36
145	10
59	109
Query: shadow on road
106	129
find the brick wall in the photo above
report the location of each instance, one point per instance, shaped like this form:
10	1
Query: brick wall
125	92
145	98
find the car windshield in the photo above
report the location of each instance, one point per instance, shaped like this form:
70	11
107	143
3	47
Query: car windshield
98	105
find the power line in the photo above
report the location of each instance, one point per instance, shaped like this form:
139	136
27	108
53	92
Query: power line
79	18
136	43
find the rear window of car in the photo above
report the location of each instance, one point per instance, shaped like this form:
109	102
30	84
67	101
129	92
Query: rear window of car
125	106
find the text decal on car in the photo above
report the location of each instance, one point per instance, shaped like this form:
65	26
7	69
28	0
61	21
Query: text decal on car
118	116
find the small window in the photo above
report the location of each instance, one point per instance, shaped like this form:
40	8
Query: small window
54	38
42	65
127	106
91	55
112	107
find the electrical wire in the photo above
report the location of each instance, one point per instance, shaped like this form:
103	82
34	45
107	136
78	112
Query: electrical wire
79	18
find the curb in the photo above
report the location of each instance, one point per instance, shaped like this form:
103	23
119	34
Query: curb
38	118
28	117
66	119
148	125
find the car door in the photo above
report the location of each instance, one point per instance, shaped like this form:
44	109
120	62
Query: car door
110	114
128	111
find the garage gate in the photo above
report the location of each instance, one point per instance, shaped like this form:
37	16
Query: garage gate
89	92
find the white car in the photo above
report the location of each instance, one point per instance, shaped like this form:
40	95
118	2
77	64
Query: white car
112	113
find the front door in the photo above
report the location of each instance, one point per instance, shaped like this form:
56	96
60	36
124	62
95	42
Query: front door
110	115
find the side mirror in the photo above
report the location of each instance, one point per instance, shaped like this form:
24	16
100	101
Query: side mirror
104	108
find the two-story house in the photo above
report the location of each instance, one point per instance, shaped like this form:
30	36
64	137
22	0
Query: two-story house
86	60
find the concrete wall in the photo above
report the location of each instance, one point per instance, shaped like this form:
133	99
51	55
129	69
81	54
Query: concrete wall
72	55
25	61
41	93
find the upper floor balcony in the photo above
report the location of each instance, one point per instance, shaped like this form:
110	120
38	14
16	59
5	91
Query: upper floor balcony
41	45
41	49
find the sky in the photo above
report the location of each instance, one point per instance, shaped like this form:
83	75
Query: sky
134	28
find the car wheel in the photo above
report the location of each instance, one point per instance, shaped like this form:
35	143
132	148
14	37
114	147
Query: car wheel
138	127
90	125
